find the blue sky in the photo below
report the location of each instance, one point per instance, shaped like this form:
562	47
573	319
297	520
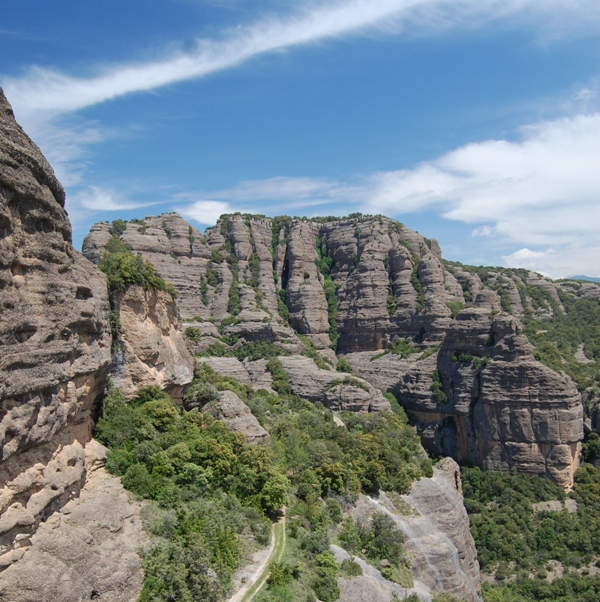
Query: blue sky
476	122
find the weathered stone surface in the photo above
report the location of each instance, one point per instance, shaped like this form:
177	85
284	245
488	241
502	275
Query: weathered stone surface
237	416
337	391
436	525
54	339
390	284
87	549
151	349
503	409
371	586
228	366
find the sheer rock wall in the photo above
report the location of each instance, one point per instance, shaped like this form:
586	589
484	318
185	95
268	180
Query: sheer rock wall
372	281
54	343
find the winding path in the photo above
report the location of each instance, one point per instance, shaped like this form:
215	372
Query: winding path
261	574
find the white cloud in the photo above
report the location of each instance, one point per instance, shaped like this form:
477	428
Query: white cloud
95	198
483	231
553	168
541	191
204	211
558	263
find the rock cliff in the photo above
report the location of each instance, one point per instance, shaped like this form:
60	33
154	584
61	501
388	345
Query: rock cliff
442	553
151	348
54	342
467	351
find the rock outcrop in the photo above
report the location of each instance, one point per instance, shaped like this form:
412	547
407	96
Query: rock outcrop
54	342
371	586
495	406
237	416
87	550
335	390
451	336
433	518
151	349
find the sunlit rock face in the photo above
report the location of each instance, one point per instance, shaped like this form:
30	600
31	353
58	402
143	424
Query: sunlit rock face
151	348
442	553
54	341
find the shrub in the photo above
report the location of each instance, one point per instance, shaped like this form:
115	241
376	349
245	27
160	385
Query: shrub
437	389
192	333
124	269
343	366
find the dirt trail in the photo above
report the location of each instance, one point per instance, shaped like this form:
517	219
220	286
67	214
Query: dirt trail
261	573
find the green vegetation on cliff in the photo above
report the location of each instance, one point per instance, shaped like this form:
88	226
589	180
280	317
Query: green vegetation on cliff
124	269
209	491
211	495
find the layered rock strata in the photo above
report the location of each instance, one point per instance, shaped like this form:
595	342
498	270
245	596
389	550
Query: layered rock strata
335	390
455	356
54	341
496	406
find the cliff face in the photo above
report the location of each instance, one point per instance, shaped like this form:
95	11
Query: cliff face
442	552
54	341
452	337
151	348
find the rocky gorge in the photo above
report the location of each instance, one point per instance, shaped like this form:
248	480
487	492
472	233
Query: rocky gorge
450	344
357	314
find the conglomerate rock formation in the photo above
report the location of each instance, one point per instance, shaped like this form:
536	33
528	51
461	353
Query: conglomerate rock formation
438	541
343	310
150	348
54	342
446	339
59	508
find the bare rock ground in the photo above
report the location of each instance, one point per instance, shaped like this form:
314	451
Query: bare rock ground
87	550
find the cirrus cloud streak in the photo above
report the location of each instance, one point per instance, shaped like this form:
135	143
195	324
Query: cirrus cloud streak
42	93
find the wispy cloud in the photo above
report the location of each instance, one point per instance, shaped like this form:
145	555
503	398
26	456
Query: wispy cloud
541	192
46	101
96	198
41	93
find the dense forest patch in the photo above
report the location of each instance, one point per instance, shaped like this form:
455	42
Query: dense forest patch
211	497
522	545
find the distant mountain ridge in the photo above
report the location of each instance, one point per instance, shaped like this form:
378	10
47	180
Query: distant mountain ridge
582	277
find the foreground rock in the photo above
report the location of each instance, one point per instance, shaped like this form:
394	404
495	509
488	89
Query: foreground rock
87	550
54	341
436	525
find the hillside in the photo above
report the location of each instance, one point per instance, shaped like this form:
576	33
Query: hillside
168	411
492	365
